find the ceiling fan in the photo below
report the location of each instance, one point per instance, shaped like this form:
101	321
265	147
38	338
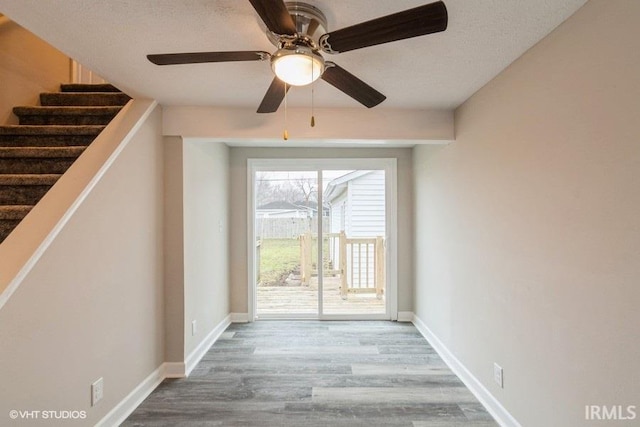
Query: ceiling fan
298	30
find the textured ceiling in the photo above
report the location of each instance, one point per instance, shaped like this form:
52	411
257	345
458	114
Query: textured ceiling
434	71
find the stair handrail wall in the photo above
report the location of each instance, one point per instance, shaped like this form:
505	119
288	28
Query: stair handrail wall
21	250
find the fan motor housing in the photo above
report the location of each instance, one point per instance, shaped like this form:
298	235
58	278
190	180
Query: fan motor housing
309	20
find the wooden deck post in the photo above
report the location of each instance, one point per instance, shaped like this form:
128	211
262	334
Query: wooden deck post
379	278
344	287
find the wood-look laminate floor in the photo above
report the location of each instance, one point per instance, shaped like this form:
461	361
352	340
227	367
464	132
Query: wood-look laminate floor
314	373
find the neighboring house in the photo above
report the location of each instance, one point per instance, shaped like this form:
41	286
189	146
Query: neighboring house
284	209
282	219
311	204
356	202
357	207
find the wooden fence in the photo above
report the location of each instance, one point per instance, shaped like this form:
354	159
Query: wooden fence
358	261
286	228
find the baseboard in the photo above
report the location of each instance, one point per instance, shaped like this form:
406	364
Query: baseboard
405	316
122	410
499	413
239	317
167	370
204	346
175	370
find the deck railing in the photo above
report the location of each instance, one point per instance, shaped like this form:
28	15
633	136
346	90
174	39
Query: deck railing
358	261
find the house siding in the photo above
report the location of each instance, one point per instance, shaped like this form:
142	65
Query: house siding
367	205
338	213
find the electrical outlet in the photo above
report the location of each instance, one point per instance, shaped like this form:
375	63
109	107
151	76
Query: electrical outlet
194	328
97	391
497	375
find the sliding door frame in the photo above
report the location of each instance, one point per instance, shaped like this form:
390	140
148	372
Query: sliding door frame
389	165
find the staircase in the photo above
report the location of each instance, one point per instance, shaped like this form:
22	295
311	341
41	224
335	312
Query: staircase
49	138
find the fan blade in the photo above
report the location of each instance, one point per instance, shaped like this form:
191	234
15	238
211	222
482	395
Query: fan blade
274	96
200	57
275	15
427	19
351	85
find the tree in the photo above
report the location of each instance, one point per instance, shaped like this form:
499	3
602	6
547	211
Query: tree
276	187
308	188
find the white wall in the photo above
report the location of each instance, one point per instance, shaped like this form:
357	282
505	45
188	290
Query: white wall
92	306
333	125
196	242
206	241
174	250
238	221
28	66
527	227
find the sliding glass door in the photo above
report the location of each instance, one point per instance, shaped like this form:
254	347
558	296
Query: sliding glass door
320	234
353	249
286	213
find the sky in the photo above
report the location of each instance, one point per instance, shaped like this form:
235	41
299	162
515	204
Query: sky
279	178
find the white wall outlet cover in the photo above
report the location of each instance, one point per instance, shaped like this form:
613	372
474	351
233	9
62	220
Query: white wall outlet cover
194	327
97	391
497	375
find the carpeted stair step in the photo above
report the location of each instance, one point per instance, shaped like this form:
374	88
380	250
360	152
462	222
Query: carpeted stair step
39	136
81	87
7	226
25	189
32	160
10	216
66	115
14	211
49	138
83	98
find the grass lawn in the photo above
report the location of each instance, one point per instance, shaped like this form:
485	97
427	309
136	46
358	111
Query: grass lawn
278	258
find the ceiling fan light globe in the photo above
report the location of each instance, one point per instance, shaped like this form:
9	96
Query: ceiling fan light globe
297	67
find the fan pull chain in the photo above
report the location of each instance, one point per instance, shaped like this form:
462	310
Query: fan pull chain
313	85
285	134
